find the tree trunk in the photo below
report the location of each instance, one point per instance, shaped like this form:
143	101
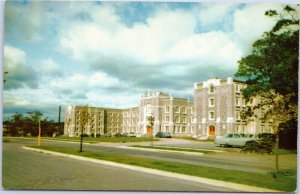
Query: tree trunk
276	153
81	136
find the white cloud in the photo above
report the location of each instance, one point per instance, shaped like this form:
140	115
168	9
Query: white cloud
210	13
49	67
19	72
26	19
84	82
251	22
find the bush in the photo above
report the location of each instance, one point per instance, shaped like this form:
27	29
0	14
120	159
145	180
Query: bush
85	135
159	134
118	135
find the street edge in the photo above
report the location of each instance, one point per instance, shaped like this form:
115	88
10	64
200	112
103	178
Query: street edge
213	182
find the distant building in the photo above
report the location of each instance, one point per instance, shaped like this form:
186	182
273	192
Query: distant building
216	111
171	114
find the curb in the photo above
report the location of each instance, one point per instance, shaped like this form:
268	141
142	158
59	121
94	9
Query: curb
234	186
160	150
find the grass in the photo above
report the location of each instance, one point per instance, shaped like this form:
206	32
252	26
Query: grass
174	149
282	183
284	151
193	139
101	139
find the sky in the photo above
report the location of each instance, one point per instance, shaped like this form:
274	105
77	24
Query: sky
105	54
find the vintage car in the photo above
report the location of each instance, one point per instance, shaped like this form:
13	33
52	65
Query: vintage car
235	139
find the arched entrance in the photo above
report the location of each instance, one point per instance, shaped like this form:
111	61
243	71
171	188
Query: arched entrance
211	130
149	130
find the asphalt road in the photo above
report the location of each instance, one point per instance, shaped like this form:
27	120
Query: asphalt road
231	161
27	170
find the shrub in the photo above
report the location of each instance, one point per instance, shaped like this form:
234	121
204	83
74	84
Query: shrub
159	134
118	135
85	135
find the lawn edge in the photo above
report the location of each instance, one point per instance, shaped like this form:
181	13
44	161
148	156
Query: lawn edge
229	185
161	150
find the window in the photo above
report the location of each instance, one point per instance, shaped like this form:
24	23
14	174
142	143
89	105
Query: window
177	109
148	108
167	119
211	115
183	109
211	89
192	111
167	128
167	109
176	119
237	101
183	119
238	115
244	101
183	129
211	102
237	88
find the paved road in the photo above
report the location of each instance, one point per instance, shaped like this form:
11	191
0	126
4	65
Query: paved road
229	160
233	161
23	169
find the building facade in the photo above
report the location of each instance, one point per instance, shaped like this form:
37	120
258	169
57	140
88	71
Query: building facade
216	111
218	104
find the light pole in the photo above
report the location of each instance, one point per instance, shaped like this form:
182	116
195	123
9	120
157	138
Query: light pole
151	121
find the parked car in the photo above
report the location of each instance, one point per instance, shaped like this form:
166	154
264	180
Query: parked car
166	135
234	139
131	134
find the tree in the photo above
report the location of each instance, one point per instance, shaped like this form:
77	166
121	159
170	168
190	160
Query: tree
34	117
271	71
84	117
17	124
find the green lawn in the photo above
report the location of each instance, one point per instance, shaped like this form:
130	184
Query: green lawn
174	149
101	139
193	139
283	182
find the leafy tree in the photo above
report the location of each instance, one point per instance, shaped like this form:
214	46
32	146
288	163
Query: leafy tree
271	71
34	117
17	124
84	117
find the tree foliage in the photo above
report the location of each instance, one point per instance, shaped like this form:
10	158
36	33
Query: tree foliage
23	125
271	69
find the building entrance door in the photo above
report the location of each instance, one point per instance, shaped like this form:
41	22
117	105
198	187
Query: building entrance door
149	130
211	130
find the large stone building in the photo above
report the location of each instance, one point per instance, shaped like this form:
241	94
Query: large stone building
218	104
216	111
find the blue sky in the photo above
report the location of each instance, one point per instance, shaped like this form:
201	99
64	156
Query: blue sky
108	53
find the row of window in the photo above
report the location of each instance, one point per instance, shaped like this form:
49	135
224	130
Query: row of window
238	102
128	115
177	109
237	88
177	119
133	121
177	129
